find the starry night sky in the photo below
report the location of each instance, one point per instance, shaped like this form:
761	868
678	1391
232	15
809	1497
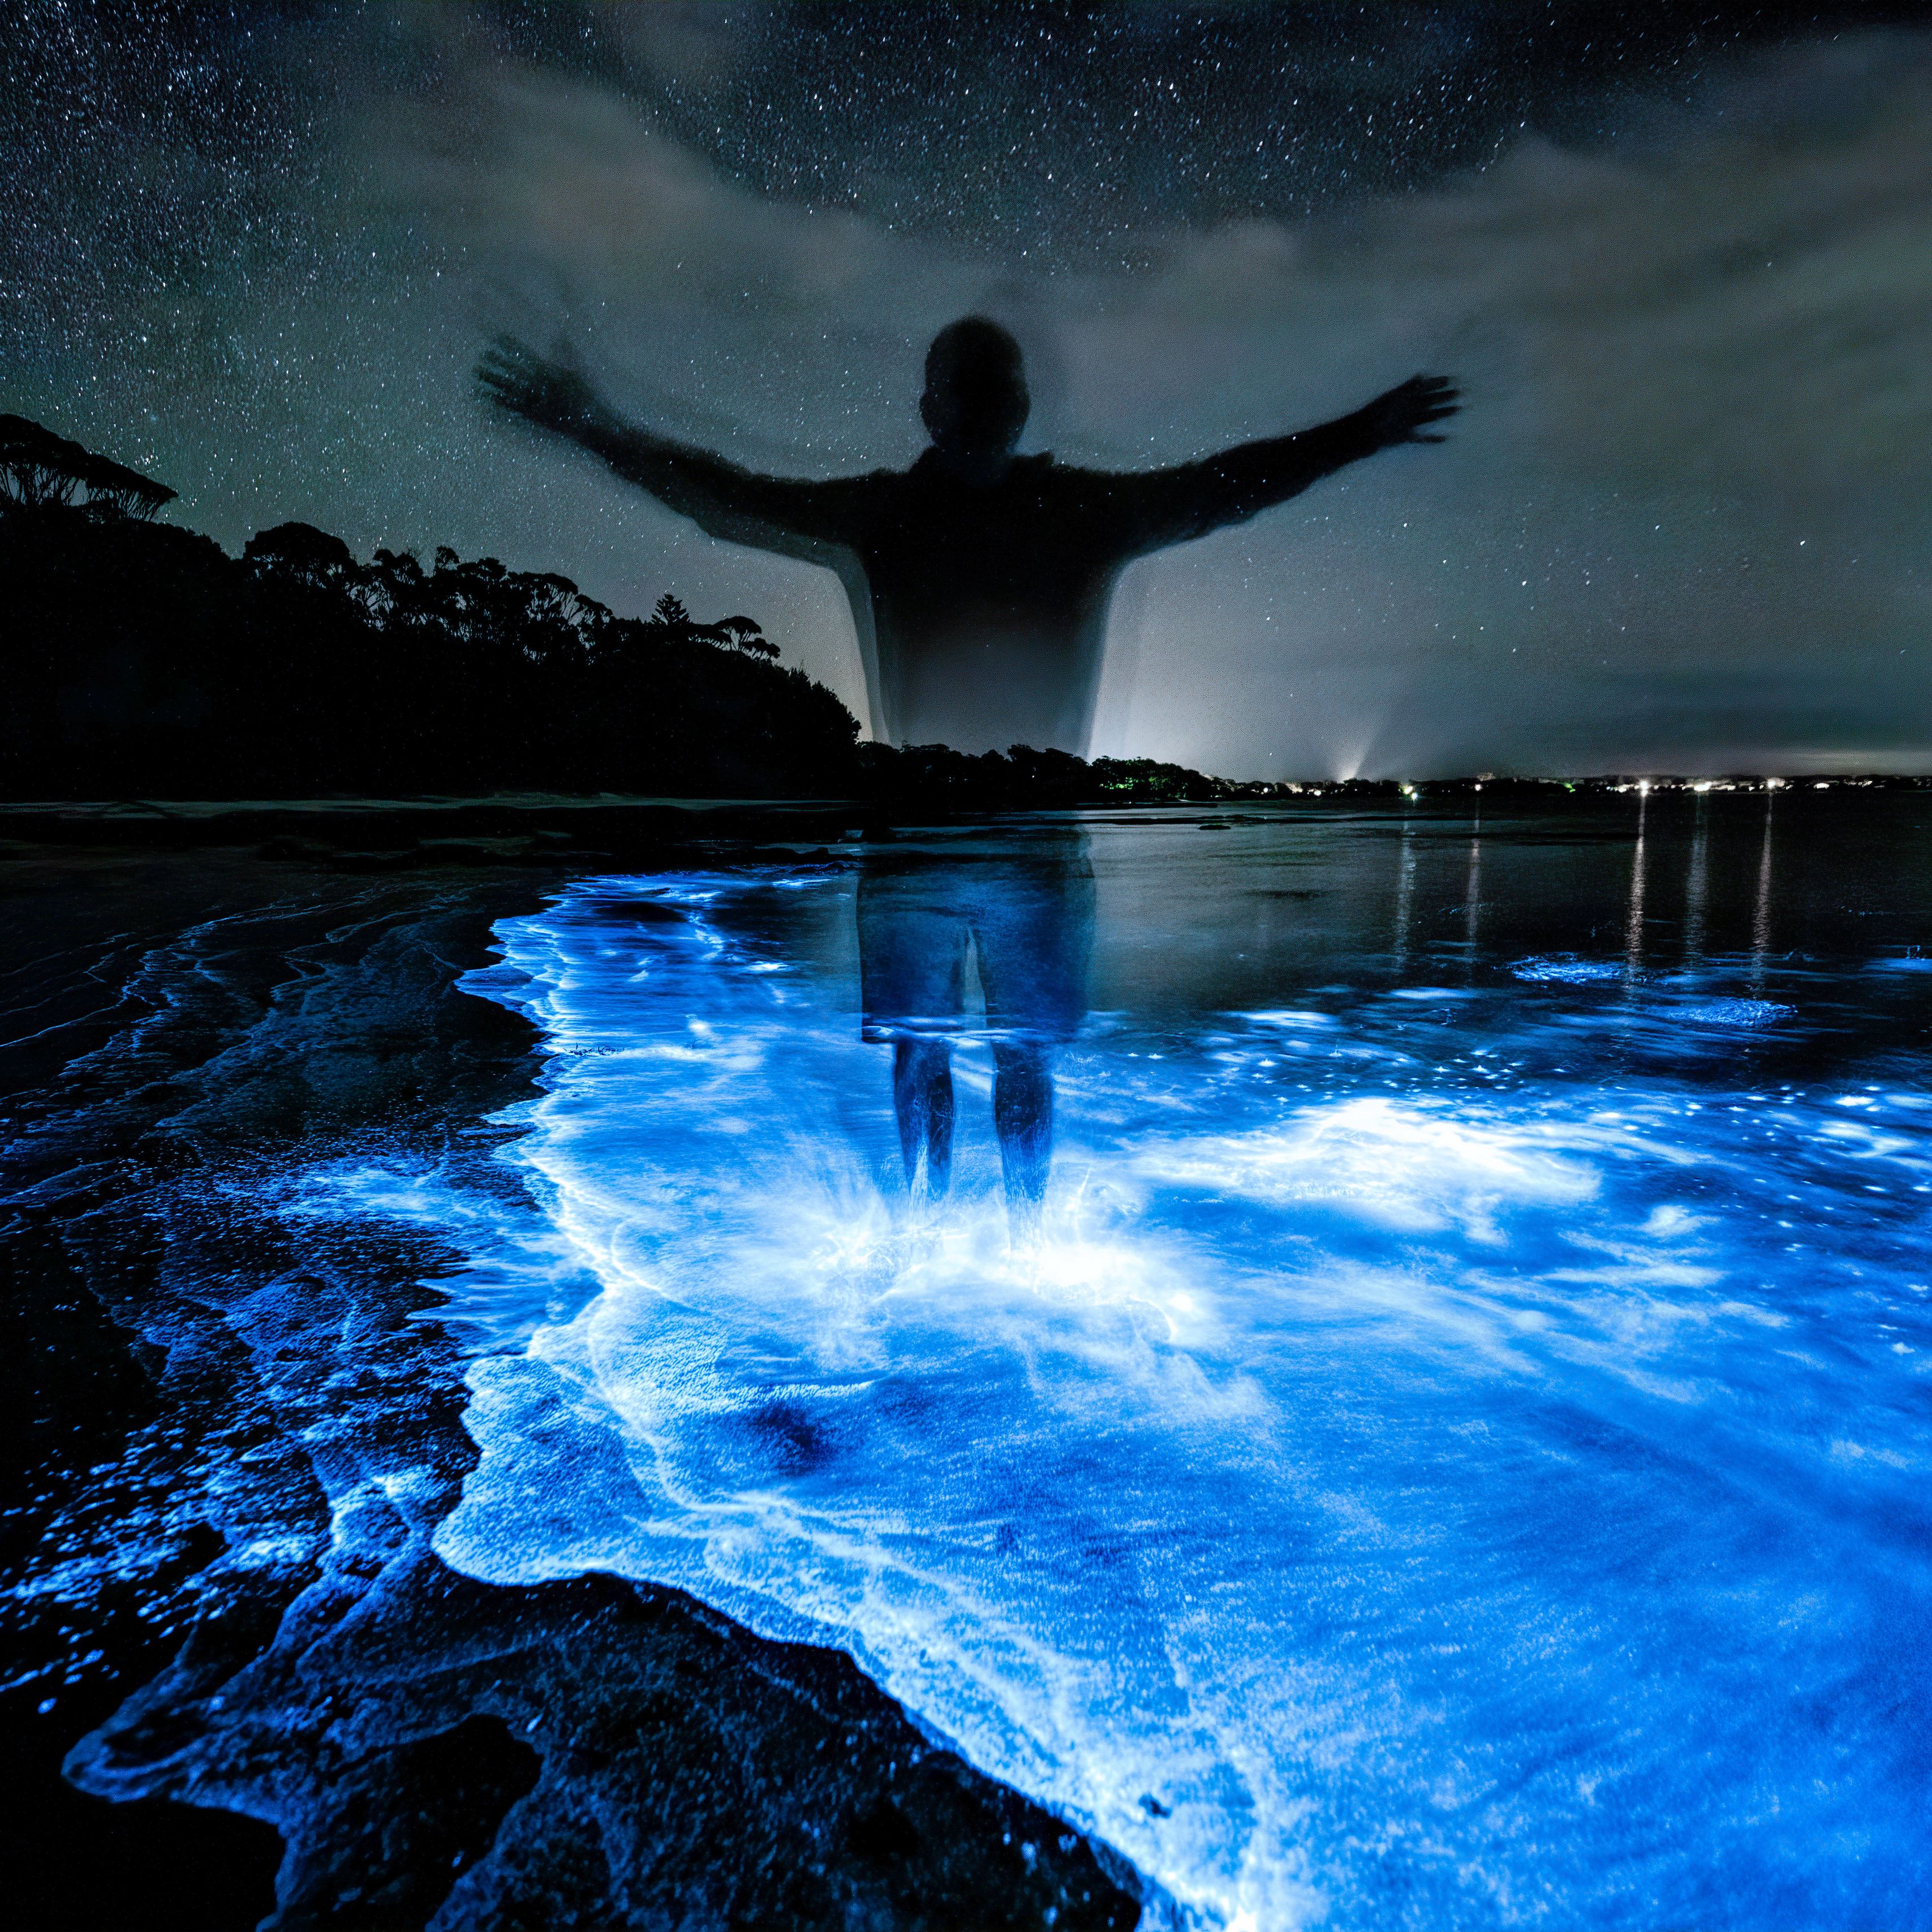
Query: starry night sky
1682	257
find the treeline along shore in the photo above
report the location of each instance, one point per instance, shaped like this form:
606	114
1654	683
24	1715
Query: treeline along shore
140	659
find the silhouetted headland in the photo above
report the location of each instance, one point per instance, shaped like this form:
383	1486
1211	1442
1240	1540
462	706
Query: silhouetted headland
142	658
141	661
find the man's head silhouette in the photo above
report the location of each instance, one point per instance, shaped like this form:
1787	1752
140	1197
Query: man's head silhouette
976	400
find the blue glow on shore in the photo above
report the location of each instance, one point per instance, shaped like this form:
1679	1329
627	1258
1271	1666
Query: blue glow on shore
1422	1501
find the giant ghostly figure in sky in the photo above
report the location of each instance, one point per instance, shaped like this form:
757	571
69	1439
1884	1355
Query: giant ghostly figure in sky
978	579
979	582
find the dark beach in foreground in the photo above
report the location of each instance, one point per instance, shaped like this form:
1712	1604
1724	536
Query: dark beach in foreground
181	1358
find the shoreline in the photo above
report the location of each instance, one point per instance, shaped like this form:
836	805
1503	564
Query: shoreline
286	1433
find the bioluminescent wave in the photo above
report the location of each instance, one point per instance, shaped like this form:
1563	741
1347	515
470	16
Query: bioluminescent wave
1452	1453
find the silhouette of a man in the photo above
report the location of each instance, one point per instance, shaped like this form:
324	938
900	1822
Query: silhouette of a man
978	579
979	582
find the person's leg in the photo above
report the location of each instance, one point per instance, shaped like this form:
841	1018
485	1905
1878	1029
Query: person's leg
923	1099
1023	1119
1033	925
912	964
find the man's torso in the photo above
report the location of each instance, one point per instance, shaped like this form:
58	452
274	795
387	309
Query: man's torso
989	603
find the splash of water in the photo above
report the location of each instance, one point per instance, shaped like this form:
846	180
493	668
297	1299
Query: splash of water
1439	1504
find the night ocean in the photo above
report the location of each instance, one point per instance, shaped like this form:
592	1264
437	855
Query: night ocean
1445	1444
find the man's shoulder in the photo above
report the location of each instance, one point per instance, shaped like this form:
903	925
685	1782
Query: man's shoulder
1073	479
853	504
864	483
1098	498
1065	483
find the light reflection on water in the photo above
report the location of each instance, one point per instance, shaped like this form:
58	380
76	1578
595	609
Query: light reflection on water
1452	1449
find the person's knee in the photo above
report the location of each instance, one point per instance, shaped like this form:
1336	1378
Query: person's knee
1022	1088
920	1060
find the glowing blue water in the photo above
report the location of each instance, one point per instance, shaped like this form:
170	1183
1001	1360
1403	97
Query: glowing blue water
1426	1477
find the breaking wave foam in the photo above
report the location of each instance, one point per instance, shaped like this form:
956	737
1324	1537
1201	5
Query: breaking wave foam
1436	1508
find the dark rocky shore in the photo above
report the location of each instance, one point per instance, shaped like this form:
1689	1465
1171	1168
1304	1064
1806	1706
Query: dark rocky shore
232	1431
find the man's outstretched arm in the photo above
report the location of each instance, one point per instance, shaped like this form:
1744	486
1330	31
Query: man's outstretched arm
778	513
1169	506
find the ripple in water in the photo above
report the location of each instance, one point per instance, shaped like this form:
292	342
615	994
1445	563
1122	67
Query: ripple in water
1411	1496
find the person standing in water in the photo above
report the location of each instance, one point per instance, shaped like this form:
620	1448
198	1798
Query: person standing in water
979	580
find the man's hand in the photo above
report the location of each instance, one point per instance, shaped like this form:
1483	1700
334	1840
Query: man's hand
552	394
1401	414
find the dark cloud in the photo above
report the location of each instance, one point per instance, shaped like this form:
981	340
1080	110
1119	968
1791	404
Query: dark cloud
1071	130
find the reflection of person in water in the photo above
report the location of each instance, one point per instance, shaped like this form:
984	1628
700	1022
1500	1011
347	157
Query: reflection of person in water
979	580
1027	910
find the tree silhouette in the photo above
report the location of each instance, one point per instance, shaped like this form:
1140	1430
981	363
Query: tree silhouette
39	470
302	551
748	635
124	490
139	658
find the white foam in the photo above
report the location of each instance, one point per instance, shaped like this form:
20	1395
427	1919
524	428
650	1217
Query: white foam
1378	1507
